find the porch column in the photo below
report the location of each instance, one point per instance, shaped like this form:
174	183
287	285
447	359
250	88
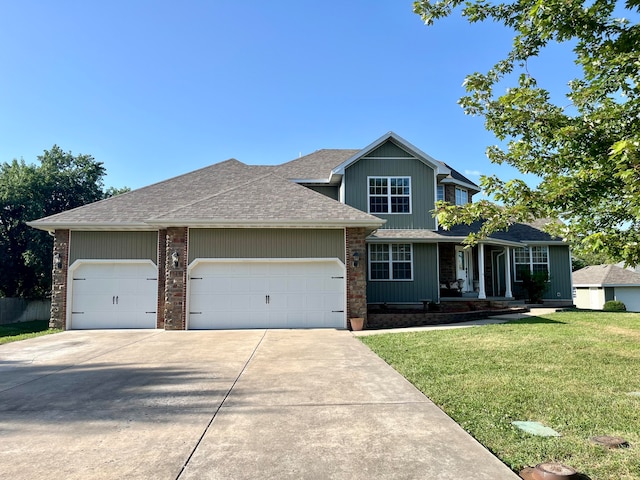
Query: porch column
507	273
481	290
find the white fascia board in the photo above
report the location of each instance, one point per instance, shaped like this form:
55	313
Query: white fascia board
466	185
217	223
50	227
314	181
502	243
535	243
429	160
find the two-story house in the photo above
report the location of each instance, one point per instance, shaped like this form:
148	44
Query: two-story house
309	243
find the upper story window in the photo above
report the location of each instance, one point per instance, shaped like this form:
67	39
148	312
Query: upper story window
440	193
531	259
389	194
462	196
390	261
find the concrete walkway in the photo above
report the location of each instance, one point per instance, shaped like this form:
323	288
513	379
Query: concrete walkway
257	404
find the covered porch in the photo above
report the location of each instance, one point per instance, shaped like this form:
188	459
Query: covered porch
481	272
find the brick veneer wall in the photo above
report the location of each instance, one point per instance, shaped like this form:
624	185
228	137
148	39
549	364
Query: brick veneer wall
162	280
175	291
447	257
58	317
356	276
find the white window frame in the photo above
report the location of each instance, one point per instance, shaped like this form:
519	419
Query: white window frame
439	189
530	261
388	195
390	254
459	192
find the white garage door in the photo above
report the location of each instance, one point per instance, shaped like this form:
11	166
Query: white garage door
114	295
273	294
630	296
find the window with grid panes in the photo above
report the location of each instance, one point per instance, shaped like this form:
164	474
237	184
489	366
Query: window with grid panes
390	261
530	259
389	195
462	196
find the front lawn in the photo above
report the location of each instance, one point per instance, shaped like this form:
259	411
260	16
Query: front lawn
13	332
576	372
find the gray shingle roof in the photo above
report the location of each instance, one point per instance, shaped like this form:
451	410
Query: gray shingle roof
220	192
456	175
267	198
519	233
316	165
605	275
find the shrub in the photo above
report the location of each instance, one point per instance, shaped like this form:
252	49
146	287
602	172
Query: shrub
614	306
535	284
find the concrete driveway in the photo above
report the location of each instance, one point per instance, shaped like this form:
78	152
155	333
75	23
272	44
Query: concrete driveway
259	404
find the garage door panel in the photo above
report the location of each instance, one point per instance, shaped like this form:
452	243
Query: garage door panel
250	294
114	295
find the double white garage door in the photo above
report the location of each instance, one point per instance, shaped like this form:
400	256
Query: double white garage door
221	294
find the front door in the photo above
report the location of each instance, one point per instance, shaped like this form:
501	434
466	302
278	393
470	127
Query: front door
463	269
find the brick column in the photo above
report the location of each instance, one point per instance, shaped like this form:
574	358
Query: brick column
162	260
175	290
356	276
58	317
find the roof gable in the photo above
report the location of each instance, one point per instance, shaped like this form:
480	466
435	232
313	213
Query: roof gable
398	145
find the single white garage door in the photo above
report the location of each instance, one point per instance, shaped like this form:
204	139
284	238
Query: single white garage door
114	295
267	294
630	296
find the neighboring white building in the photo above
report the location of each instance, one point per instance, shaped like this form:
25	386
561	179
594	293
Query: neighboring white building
597	284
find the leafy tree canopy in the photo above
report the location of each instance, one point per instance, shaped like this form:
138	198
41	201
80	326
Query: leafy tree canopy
60	182
586	150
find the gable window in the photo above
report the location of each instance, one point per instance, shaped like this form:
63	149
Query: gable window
440	193
462	196
390	261
389	195
530	259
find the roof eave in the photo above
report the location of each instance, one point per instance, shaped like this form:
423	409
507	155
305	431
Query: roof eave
470	186
276	223
53	226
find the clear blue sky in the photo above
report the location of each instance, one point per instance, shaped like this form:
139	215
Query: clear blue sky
154	89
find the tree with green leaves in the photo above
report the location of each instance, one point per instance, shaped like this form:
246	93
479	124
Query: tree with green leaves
586	151
60	182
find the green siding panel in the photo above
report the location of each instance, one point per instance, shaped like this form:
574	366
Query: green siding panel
423	286
113	246
389	149
422	189
331	192
560	272
266	243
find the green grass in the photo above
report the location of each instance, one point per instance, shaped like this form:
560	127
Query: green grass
13	332
572	371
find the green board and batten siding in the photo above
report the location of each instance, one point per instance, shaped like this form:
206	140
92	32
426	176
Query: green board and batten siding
389	160
113	246
423	286
266	243
331	192
559	272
